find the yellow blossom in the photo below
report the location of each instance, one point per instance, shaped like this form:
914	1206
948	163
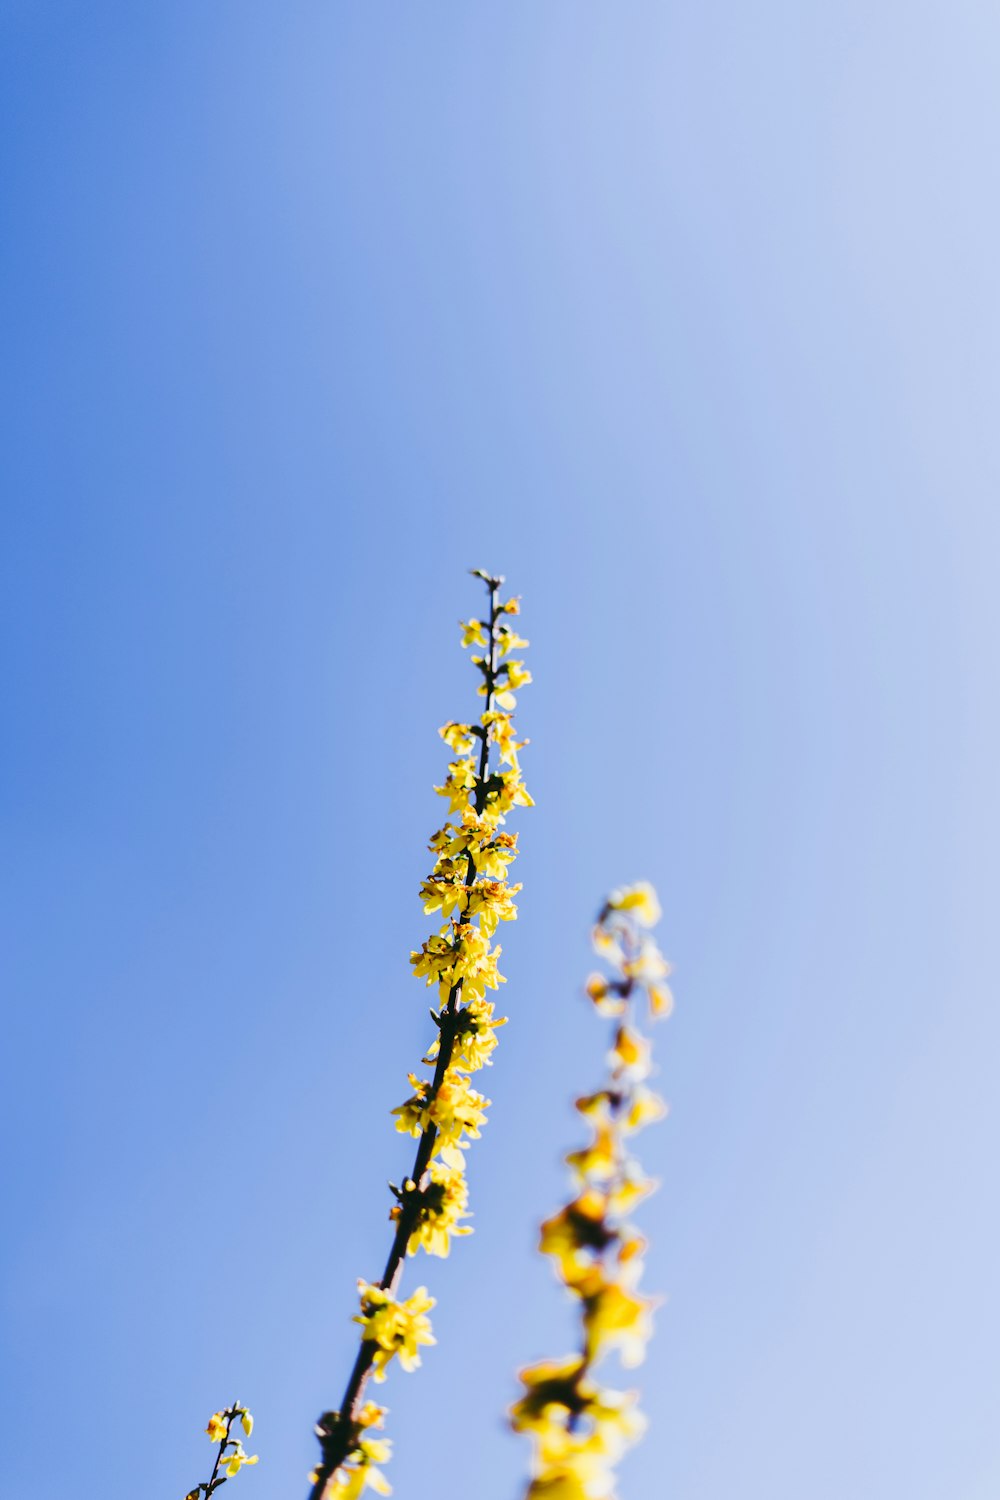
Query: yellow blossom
396	1328
474	1039
661	1001
648	966
631	1051
460	783
492	901
645	1107
235	1461
217	1428
639	900
473	633
509	640
441	1205
608	1001
615	1317
456	1109
599	1158
459	737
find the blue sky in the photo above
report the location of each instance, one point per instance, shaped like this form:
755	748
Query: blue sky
685	318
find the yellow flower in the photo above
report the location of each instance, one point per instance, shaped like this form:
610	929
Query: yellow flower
508	640
442	1203
501	727
600	1158
576	1233
506	791
517	674
235	1461
661	1001
645	1107
631	1052
473	633
474	1039
466	956
494	855
458	737
359	1471
558	1487
455	1109
639	900
396	1328
217	1428
444	893
459	783
614	1317
246	1421
606	944
648	966
630	1189
608	1001
492	901
371	1414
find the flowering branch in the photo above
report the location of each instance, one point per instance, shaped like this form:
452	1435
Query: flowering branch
580	1428
468	886
231	1455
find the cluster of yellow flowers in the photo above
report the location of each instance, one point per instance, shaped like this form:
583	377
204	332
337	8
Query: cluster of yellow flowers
579	1427
231	1456
469	888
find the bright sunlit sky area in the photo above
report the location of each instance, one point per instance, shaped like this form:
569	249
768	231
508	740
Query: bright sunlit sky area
685	318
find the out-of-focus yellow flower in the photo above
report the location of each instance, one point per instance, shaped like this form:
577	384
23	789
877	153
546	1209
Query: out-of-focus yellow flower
631	1051
359	1471
639	900
615	1318
509	641
576	1233
645	1107
473	633
661	1001
600	1158
608	1001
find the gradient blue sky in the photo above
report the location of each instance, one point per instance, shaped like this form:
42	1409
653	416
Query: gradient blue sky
686	318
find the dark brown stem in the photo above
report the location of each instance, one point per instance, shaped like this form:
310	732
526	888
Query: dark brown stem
230	1414
336	1431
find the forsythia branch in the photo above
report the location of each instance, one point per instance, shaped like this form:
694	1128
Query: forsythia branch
580	1428
231	1455
468	886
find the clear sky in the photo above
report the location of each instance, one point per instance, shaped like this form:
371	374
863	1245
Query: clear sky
685	317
